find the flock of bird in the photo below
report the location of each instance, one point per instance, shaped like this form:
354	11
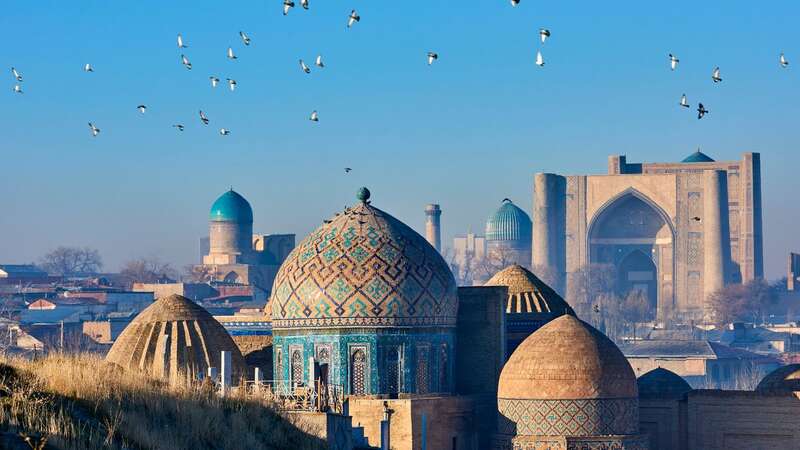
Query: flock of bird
352	19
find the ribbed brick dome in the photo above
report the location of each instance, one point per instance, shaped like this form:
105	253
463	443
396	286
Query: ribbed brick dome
172	338
527	293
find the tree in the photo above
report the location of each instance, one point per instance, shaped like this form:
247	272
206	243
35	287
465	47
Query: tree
148	270
587	285
548	274
72	260
741	302
636	308
198	273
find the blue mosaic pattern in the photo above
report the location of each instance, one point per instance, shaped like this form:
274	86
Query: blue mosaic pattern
364	268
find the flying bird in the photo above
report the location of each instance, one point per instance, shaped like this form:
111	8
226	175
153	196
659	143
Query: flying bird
684	103
95	131
142	108
354	17
214	81
287	5
203	117
16	74
544	33
784	63
305	68
245	38
185	62
514	3
673	61
432	56
701	111
180	42
230	53
319	62
347	170
304	4
314	116
88	68
224	132
539	59
715	77
696	219
18	89
178	126
232	84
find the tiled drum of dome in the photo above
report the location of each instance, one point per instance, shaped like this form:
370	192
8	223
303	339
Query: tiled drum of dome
364	268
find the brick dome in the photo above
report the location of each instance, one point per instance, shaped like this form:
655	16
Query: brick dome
783	380
527	293
567	379
174	337
662	383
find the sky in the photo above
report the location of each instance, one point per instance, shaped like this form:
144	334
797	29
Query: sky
465	132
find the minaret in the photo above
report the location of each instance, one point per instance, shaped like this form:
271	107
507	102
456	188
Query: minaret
433	232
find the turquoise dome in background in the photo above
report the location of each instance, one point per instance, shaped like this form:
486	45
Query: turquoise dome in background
231	207
509	223
697	157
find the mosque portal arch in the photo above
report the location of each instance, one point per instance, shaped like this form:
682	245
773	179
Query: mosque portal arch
634	235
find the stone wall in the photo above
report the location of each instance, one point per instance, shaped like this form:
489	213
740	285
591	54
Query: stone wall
663	421
440	422
333	429
257	352
738	420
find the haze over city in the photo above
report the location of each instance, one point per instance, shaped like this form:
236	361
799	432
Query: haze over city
464	132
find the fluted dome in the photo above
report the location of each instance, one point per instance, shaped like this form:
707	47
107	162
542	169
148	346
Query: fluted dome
231	207
783	380
173	337
567	379
662	383
527	293
363	268
509	223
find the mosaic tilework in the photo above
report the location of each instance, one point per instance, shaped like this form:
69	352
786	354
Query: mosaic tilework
364	268
591	417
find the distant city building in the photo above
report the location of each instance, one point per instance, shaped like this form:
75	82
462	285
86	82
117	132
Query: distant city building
469	255
22	274
674	231
234	254
793	275
433	228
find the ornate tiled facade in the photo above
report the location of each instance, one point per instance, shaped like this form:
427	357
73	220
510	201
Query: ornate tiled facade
587	417
370	302
364	268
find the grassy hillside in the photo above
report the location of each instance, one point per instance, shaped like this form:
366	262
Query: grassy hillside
80	402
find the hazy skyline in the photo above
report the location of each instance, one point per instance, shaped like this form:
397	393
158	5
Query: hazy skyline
465	132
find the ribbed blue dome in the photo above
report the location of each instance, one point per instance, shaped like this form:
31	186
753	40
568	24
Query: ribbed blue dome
508	223
231	207
697	157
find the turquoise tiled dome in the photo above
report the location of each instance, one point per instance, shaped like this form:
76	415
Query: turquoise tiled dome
697	157
508	223
364	268
231	207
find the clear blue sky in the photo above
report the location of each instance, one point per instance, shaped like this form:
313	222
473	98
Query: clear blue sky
465	133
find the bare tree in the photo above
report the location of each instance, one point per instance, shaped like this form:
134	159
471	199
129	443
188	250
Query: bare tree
148	270
587	285
740	302
548	274
72	260
198	273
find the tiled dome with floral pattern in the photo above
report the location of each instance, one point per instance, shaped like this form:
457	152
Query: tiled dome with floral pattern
364	268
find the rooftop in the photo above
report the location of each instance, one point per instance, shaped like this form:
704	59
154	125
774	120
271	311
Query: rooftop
697	157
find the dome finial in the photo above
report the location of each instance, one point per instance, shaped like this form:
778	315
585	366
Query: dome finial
363	194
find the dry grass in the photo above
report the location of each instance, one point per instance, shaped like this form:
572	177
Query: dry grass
81	402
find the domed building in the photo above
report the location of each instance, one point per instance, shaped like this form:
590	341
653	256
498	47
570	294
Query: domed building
531	304
508	236
233	254
568	386
366	303
661	383
174	338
